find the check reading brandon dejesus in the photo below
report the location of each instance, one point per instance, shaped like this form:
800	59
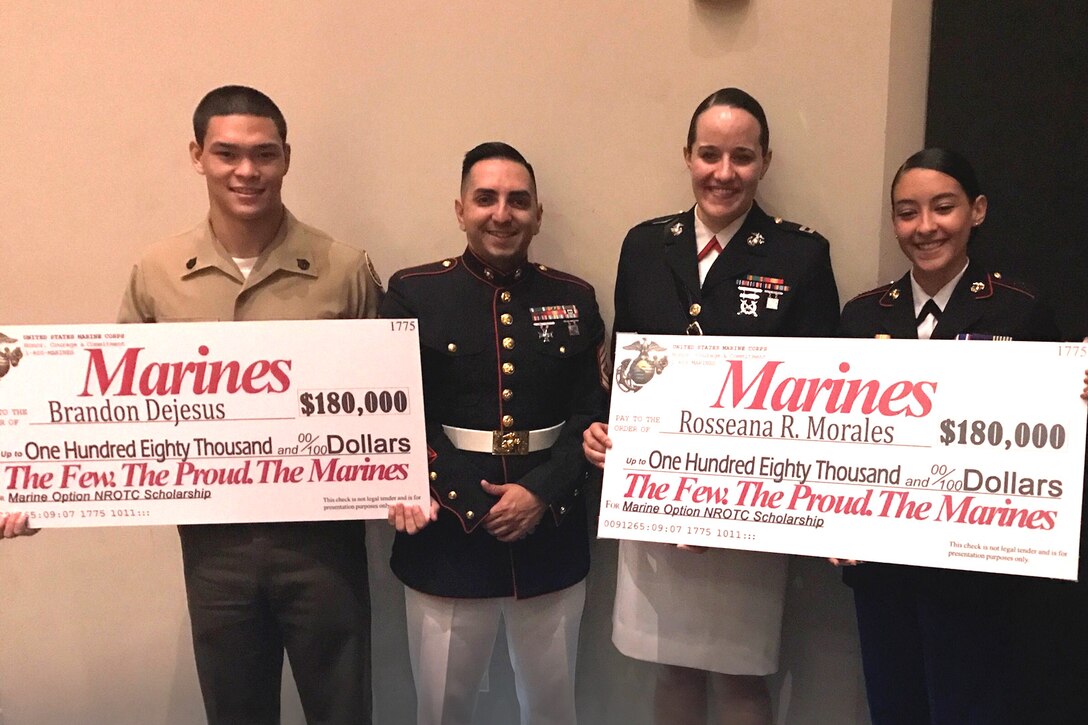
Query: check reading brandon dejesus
952	454
204	422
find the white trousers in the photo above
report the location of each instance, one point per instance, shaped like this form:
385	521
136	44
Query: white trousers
450	642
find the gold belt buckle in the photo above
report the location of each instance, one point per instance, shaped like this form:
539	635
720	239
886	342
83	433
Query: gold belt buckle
509	443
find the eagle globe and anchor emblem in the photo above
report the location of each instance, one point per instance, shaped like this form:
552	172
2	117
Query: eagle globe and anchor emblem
9	358
634	373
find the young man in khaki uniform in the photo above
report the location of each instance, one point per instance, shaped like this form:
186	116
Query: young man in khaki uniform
255	590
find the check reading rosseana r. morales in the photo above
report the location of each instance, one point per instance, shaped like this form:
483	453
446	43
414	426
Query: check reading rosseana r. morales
833	395
751	429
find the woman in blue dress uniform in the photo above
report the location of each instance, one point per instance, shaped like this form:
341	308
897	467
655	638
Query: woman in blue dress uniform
943	646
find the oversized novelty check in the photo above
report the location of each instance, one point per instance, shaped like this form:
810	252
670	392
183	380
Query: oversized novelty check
960	455
109	425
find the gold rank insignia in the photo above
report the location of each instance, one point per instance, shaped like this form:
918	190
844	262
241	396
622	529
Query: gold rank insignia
676	229
977	287
894	294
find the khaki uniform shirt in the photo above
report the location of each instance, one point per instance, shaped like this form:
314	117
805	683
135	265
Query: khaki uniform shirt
304	274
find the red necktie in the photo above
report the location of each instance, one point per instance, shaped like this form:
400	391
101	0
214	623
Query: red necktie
711	247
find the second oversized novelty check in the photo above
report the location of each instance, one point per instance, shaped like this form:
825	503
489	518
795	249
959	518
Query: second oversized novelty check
961	455
108	425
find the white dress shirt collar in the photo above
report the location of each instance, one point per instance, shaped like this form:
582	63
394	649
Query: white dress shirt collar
944	294
703	233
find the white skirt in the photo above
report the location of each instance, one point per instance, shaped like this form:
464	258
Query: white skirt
720	610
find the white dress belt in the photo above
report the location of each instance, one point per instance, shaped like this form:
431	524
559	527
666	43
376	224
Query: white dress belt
503	443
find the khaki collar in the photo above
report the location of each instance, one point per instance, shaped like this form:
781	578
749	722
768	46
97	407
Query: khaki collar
286	253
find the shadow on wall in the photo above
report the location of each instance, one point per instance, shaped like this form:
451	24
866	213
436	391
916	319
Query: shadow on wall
719	27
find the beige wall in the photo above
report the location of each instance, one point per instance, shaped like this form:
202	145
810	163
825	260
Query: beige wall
382	99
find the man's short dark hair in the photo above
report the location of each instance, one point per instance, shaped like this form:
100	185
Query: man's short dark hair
236	100
494	150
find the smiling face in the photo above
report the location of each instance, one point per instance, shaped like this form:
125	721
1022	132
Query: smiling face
933	218
243	159
726	161
499	212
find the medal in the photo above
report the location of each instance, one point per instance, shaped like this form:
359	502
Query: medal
544	331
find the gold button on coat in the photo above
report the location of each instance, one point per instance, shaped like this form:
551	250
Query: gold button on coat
507	393
452	347
504	296
434	476
508	368
452	495
470	515
508	421
508	343
506	319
